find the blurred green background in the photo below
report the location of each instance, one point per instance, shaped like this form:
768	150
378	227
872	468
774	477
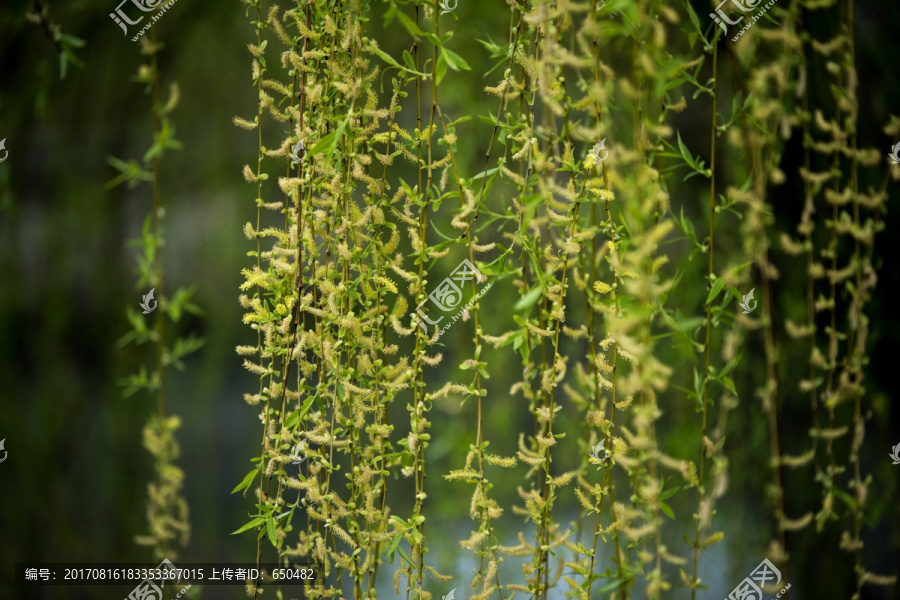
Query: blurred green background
73	487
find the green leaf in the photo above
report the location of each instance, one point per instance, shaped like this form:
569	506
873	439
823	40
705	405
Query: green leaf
847	498
129	171
385	56
440	69
409	25
529	299
732	364
727	382
243	485
180	303
454	60
664	495
292	419
307	404
254	523
693	16
487	173
406	556
717	286
327	144
408	59
446	237
494	48
270	530
161	141
666	509
698	387
613	585
685	153
394	543
71	40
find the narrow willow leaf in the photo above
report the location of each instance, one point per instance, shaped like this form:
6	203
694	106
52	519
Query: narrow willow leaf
716	288
270	530
529	299
666	509
254	523
454	60
248	479
292	419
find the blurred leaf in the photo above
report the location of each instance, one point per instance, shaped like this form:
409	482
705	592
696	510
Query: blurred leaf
292	419
130	171
163	140
717	286
176	304
529	299
440	69
730	385
454	60
666	509
329	142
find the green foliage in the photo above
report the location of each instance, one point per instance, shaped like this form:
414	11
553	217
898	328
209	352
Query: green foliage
578	236
64	43
167	510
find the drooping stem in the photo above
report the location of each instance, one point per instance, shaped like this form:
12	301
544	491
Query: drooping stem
709	321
